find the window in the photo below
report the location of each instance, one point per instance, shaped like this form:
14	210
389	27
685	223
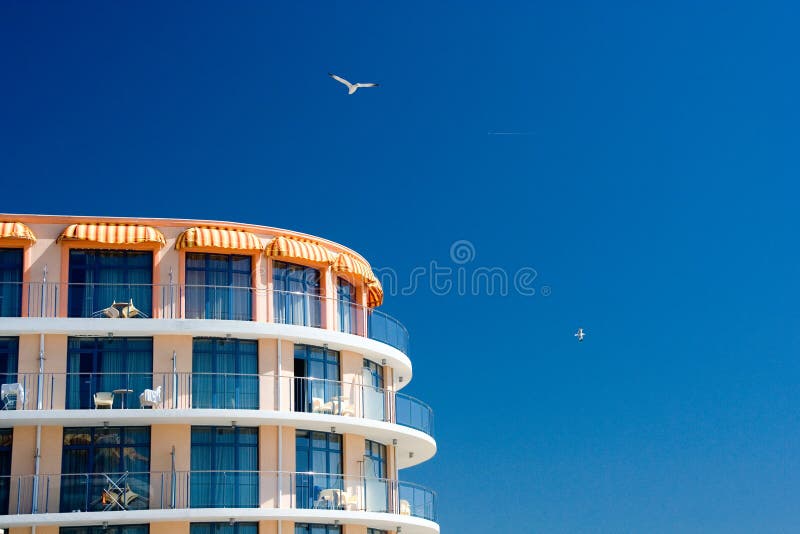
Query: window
6	437
218	286
10	282
224	467
376	531
109	529
99	278
346	304
124	364
311	528
376	494
223	528
316	371
374	374
105	468
9	355
225	373
318	463
374	397
296	294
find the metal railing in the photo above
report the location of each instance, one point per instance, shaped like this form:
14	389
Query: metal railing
225	391
93	492
187	301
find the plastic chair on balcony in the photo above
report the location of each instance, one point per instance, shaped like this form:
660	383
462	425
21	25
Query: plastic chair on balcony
103	400
405	507
111	312
12	396
130	311
317	406
329	499
150	397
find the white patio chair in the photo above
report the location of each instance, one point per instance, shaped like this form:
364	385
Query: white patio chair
150	397
103	399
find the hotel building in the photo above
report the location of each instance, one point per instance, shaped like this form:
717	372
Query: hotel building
169	376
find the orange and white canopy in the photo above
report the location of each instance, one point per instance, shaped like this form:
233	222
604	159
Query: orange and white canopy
298	248
347	263
16	231
222	238
113	234
374	295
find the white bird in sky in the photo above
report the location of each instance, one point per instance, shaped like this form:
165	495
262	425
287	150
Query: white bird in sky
351	87
580	334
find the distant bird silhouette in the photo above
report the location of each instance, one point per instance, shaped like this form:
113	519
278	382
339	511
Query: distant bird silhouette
351	87
580	334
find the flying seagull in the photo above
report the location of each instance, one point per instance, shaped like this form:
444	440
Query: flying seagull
351	87
580	334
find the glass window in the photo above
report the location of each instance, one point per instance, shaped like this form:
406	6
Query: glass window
121	364
296	294
376	531
218	286
375	375
346	304
223	528
110	529
6	436
319	465
224	466
100	278
225	373
10	282
317	382
9	359
311	528
105	469
376	487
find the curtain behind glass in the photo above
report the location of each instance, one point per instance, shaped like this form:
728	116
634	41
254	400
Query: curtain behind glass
99	278
296	294
224	463
10	282
108	364
225	374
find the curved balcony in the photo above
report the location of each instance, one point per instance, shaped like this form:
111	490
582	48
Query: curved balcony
173	301
261	493
215	391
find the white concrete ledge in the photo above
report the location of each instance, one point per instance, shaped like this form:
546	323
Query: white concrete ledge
369	348
411	525
409	440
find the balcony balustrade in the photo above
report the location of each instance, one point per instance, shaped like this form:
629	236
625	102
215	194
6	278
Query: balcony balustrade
177	490
173	301
223	391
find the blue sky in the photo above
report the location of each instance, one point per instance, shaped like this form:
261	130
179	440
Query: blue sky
655	193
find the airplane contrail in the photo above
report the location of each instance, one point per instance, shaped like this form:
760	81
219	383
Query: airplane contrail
509	133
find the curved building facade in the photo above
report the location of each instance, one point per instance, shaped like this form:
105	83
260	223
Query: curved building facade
170	376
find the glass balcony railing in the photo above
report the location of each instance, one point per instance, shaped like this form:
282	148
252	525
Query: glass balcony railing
43	494
224	391
172	301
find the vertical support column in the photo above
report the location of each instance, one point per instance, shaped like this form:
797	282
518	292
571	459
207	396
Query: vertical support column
259	298
328	290
163	438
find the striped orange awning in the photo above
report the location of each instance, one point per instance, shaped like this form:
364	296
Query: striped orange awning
296	247
347	263
113	234
16	231
374	295
224	238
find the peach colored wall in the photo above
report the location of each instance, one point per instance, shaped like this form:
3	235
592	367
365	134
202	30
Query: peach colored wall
354	529
268	369
351	364
162	439
23	445
271	482
163	348
271	527
170	527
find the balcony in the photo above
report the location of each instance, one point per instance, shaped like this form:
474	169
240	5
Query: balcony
184	490
106	393
224	303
